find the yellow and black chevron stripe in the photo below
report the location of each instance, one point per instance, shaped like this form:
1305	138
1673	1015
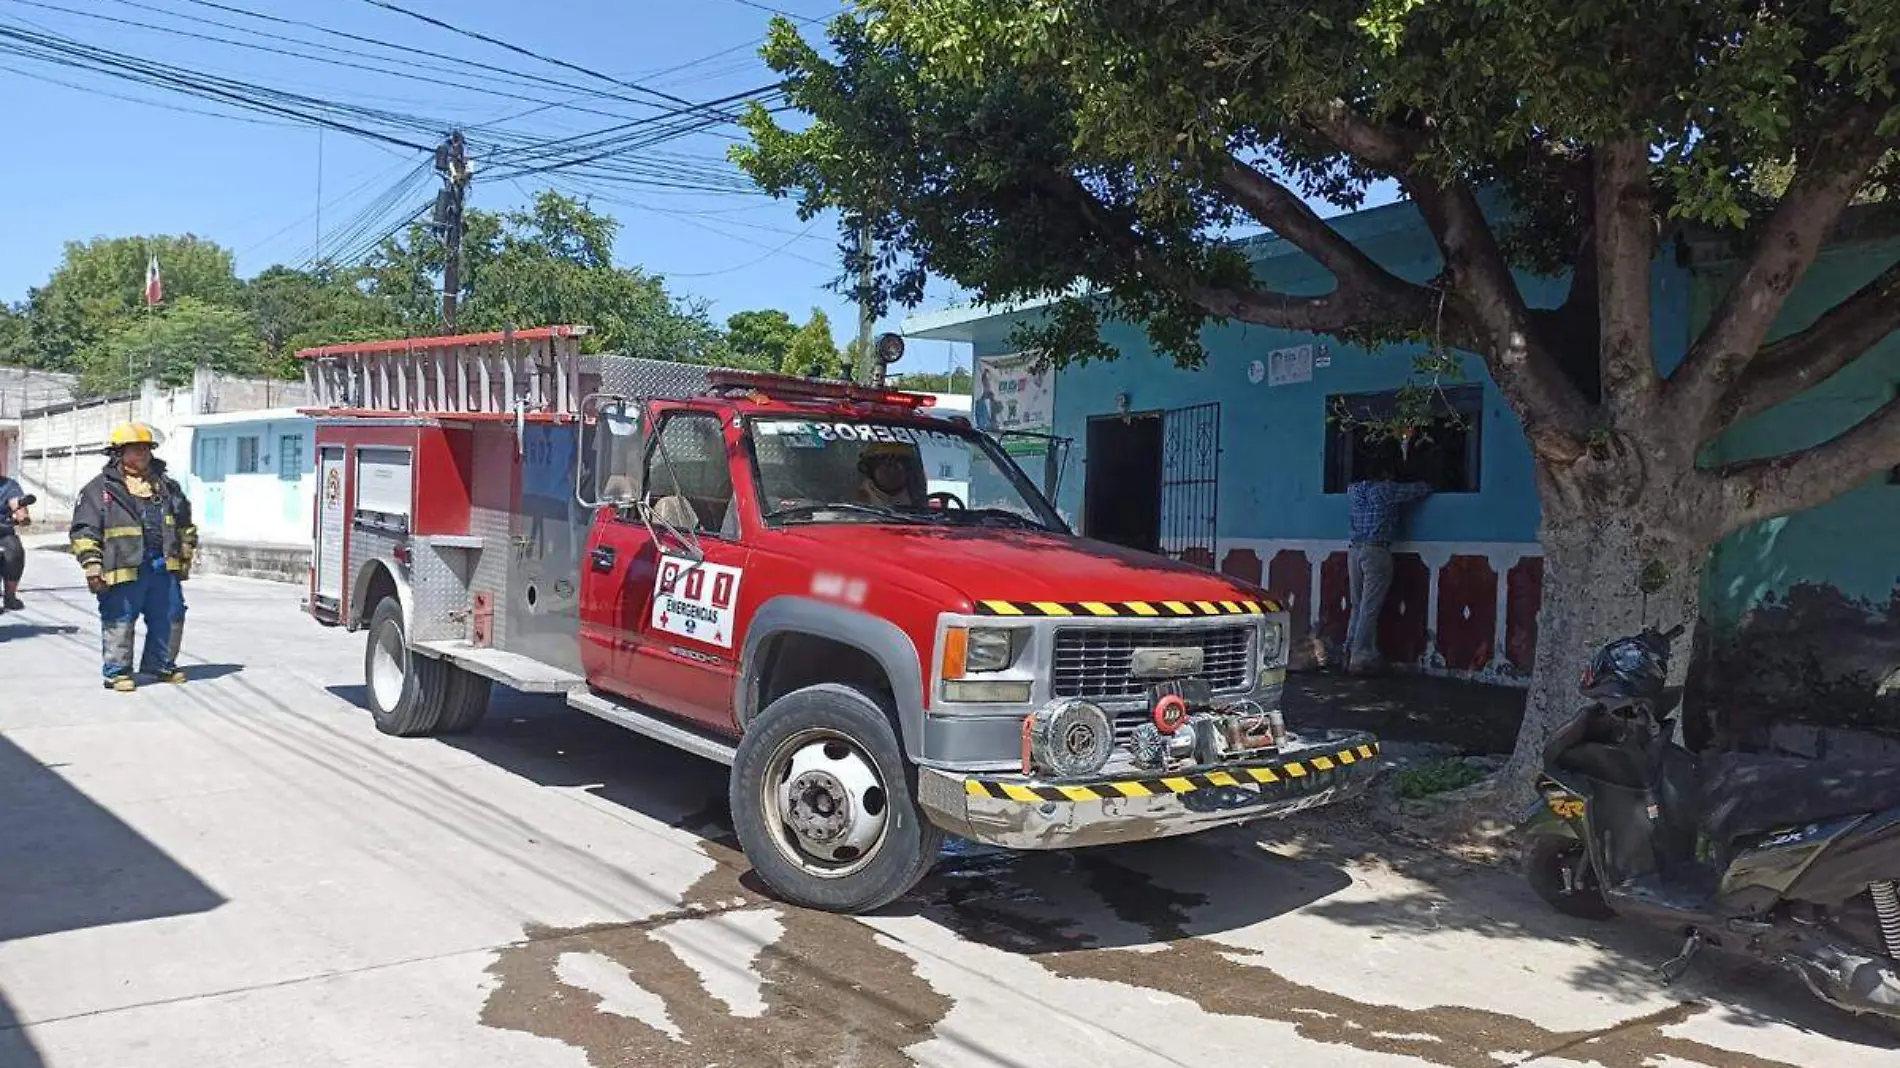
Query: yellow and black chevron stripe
1126	609
1290	773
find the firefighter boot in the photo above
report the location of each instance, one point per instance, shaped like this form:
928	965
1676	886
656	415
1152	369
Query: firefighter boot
175	674
118	628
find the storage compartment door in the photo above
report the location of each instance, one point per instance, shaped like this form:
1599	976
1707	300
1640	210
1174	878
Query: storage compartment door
385	489
332	512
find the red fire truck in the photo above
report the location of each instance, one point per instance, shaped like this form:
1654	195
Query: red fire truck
750	568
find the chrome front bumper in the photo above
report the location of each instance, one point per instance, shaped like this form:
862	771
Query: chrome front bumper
1017	812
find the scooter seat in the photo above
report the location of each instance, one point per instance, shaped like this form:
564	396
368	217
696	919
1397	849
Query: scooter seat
1748	794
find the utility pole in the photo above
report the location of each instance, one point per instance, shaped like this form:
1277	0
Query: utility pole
317	258
451	161
866	367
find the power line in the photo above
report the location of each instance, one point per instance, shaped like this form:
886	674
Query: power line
770	10
396	72
95	90
62	51
531	54
409	51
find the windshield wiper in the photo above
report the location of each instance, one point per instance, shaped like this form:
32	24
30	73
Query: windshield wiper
807	511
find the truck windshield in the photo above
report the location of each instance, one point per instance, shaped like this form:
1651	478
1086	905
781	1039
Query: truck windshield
871	471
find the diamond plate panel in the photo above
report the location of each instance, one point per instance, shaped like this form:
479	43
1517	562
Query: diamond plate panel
493	562
631	376
366	547
439	583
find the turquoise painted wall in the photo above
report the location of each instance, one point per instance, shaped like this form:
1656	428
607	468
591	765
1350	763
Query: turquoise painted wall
1273	438
1853	543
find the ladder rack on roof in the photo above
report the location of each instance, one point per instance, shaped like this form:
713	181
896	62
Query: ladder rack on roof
540	369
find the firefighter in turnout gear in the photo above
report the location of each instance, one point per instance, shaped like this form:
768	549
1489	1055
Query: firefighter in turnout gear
132	532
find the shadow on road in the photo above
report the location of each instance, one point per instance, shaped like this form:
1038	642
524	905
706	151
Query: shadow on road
1022	902
209	672
12	631
67	864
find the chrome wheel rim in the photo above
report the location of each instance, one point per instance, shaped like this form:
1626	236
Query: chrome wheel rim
388	663
825	803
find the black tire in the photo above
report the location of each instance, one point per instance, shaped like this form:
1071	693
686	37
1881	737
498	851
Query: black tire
1546	863
909	844
413	710
466	702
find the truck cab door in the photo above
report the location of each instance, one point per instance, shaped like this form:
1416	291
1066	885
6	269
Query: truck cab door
671	575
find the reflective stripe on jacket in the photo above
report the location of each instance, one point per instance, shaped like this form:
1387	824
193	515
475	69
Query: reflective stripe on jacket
108	525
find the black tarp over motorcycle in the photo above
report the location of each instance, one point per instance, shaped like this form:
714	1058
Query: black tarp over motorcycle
1792	861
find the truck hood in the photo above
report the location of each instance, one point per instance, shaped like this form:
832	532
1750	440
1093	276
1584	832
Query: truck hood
1013	565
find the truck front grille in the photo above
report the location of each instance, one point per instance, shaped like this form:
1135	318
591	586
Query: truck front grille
1094	662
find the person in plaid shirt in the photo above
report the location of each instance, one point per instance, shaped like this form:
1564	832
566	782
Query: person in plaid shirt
1378	503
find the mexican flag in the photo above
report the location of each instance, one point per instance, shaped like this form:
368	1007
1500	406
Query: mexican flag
154	285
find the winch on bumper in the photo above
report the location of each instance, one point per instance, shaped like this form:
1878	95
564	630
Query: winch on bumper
1021	812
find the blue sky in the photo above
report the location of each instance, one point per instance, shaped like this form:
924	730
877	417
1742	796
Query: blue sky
88	165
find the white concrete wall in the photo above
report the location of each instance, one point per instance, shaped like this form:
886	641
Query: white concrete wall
61	448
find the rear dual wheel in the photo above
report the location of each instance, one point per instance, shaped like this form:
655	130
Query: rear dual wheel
414	696
824	803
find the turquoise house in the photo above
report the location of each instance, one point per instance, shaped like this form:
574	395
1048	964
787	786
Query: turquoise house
250	476
1241	465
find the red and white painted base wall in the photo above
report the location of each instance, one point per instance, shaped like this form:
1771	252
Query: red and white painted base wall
1459	609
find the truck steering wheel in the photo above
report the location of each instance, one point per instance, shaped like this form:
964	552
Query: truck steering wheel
943	500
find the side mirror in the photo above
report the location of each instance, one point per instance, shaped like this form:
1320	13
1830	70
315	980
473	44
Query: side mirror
608	473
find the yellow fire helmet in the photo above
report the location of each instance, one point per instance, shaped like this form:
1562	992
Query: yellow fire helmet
131	434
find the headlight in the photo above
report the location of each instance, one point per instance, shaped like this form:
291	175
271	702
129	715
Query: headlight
989	649
1272	643
1067	740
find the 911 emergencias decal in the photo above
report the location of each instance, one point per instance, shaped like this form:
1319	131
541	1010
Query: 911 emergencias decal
696	600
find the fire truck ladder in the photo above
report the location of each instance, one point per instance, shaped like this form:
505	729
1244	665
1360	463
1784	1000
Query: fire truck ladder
539	370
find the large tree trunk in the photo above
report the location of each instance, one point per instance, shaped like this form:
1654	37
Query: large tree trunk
1613	564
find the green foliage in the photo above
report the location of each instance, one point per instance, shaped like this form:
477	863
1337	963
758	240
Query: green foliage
1072	151
99	288
761	339
16	338
1435	777
813	352
956	381
549	264
168	344
293	310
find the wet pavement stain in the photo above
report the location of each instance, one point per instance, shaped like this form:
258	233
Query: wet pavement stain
835	994
1234	982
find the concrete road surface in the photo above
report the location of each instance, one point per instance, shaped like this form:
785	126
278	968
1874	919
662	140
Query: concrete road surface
241	872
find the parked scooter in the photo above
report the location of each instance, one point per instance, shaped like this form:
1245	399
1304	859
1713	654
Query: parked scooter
1794	862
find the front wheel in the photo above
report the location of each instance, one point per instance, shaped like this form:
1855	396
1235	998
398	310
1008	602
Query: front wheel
823	804
1560	872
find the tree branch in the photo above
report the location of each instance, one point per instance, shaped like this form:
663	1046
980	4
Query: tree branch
1842	335
1756	490
1624	236
1787	247
1554	414
1521	362
1346	307
1388	148
1279	209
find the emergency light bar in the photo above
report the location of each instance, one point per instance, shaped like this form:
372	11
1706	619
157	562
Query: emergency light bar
787	387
